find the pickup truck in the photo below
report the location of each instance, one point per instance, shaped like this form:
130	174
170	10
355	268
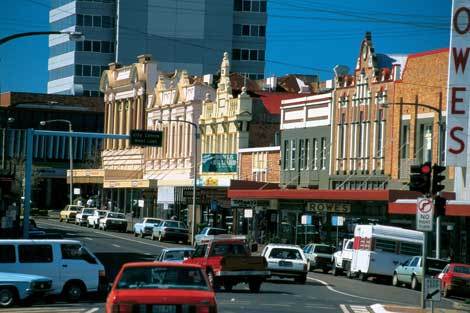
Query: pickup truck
342	259
145	226
228	262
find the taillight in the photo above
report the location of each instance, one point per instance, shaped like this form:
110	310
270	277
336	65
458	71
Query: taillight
121	308
207	309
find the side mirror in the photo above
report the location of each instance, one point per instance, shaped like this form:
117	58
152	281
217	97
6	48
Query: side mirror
254	247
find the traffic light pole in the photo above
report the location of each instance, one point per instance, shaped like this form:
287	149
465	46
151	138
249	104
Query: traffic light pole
440	163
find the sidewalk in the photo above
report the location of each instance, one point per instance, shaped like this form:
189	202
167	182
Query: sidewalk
388	308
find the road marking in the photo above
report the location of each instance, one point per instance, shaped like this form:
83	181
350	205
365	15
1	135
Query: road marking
117	246
87	238
109	235
359	309
351	295
92	310
344	308
70	234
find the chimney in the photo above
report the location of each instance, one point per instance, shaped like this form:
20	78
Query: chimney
144	58
114	66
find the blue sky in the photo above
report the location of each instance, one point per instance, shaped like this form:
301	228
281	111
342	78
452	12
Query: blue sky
303	36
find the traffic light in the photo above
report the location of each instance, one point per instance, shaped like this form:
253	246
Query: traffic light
420	178
437	179
440	206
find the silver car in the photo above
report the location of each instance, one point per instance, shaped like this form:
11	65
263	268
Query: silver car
177	255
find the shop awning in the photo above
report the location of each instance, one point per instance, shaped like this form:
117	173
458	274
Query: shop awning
408	207
86	176
130	183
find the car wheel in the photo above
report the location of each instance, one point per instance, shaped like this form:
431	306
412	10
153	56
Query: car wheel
446	292
153	237
334	270
326	270
73	291
311	267
66	219
212	281
395	280
254	286
362	276
301	279
7	297
414	283
160	238
349	274
141	235
60	219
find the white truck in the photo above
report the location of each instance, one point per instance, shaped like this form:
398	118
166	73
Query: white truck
145	226
378	250
342	259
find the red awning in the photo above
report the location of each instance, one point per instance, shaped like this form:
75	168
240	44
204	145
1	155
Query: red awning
452	209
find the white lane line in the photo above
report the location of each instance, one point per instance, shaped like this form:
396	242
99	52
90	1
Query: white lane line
351	295
70	234
344	308
146	253
109	235
117	246
87	238
92	310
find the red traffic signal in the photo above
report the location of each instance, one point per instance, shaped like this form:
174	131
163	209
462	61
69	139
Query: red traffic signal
420	178
426	168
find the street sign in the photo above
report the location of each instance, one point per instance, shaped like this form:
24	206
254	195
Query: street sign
424	214
328	207
76	191
337	220
140	203
148	138
432	289
248	213
306	219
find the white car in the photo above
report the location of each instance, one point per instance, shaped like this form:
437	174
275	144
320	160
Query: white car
82	216
319	256
73	269
113	220
94	220
286	261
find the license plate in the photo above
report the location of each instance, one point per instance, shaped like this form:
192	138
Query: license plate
285	264
164	309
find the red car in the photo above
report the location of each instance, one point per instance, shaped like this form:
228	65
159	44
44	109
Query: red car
455	280
161	288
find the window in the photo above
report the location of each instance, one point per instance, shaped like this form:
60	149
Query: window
71	251
95	71
379	133
79	20
87	45
262	6
105	47
404	142
88	20
342	134
427	142
323	153
79	46
285	253
262	31
301	154
94	93
7	254
414	262
86	70
286	153
261	55
78	69
359	139
228	249
292	154
254	30
255	6
245	30
238	5
245	53
200	251
385	245
246	5
307	156
96	46
253	55
410	248
315	153
35	253
96	21
106	22
235	54
237	29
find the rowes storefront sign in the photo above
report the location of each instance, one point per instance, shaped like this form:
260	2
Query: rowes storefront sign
457	137
219	163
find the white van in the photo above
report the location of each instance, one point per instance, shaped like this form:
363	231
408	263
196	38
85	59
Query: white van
378	249
73	269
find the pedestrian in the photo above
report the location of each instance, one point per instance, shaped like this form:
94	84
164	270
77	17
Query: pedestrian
79	202
89	202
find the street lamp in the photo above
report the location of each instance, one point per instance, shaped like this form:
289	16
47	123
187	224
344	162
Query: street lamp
43	123
193	213
4	141
73	35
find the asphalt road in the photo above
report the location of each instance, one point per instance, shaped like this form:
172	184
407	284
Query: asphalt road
321	293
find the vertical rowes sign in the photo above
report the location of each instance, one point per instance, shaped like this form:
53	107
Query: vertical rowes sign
458	97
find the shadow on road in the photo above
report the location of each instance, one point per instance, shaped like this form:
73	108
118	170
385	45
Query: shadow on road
291	282
113	261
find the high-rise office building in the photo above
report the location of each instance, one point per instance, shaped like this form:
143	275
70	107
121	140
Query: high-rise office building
179	34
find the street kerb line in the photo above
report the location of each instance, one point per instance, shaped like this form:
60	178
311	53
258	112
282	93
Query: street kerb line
106	234
92	310
351	295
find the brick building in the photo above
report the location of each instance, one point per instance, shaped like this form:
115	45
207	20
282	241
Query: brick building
260	164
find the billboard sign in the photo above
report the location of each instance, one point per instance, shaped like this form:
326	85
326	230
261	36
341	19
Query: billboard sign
219	162
458	95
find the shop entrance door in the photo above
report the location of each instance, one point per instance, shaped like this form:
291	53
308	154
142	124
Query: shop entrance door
288	225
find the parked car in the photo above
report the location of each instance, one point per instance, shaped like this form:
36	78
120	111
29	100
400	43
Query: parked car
69	212
411	271
171	230
113	220
161	287
94	219
228	262
33	230
16	287
455	280
208	231
82	216
145	226
73	269
175	255
319	256
342	259
286	261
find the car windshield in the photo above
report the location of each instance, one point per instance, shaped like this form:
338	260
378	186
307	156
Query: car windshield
462	270
285	253
153	221
216	231
162	277
102	213
324	249
88	211
177	255
74	208
116	215
175	224
228	249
